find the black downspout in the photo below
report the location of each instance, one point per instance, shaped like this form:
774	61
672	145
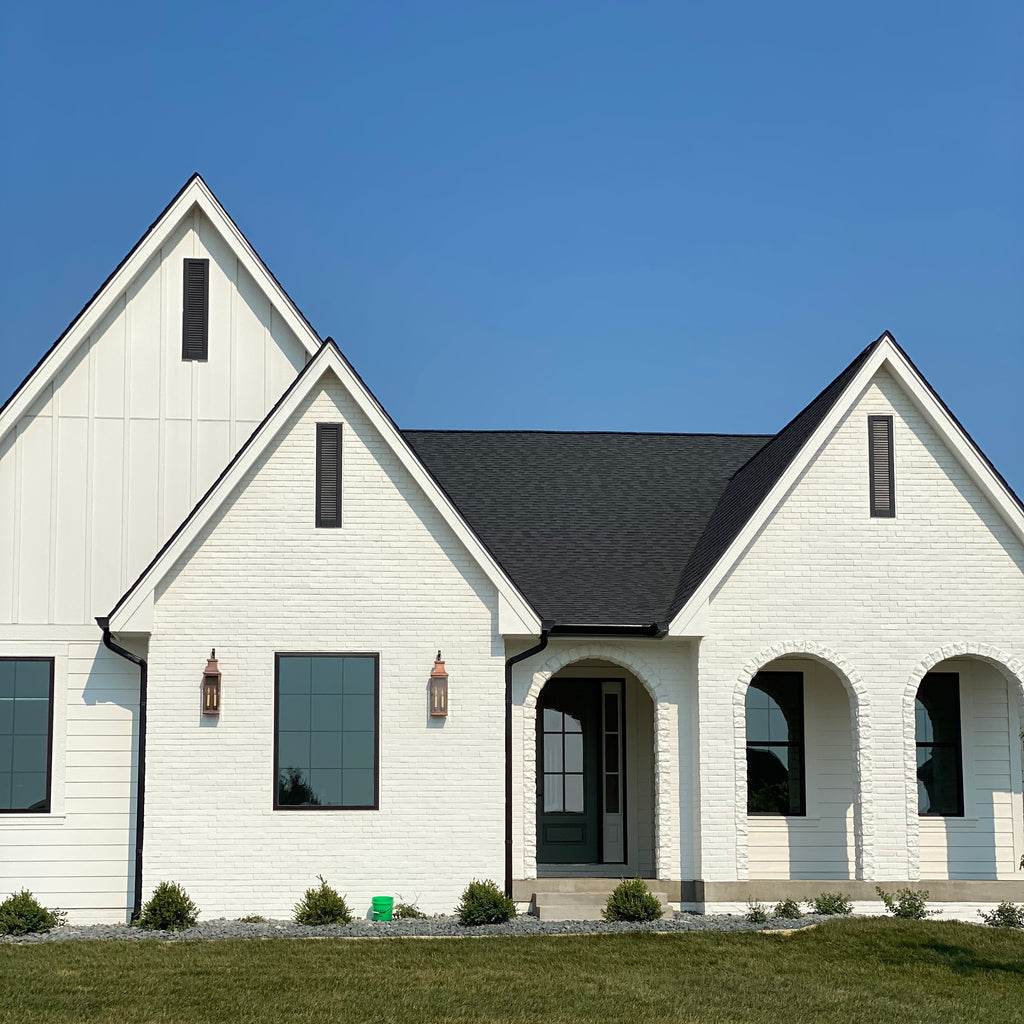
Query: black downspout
140	797
515	659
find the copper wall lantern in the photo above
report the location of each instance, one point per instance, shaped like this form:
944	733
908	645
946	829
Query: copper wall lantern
438	689
211	686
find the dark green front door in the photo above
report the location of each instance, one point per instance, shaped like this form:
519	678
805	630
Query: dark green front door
568	769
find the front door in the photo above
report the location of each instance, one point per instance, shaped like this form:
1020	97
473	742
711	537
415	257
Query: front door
568	773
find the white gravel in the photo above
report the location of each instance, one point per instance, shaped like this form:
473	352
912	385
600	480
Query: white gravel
430	927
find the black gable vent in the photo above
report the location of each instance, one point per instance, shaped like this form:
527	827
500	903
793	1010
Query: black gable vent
328	474
882	467
195	309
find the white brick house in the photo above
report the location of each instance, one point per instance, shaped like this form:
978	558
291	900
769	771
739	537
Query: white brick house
744	667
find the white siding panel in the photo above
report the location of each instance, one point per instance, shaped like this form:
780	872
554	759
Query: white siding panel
108	360
107	515
33	555
286	358
214	452
144	303
177	480
72	385
252	316
214	376
72	519
143	526
177	374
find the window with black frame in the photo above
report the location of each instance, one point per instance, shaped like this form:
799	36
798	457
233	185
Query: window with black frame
326	731
775	744
26	731
940	776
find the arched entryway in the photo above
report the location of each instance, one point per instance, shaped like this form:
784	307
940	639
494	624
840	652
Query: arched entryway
593	757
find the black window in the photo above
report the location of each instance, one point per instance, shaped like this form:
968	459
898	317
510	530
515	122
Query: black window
328	474
775	744
195	309
26	732
882	469
326	735
940	775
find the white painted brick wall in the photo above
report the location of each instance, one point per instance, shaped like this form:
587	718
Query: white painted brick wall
887	598
262	579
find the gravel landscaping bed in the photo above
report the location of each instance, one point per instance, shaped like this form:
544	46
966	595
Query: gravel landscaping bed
437	927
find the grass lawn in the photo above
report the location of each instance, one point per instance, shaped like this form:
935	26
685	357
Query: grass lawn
877	970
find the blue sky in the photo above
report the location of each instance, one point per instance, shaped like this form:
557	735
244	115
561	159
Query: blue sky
631	216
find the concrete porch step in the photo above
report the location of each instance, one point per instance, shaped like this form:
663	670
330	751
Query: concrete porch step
578	906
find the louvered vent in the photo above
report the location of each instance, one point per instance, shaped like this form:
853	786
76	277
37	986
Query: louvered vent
328	474
195	309
882	467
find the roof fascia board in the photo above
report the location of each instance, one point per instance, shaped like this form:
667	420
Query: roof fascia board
692	619
195	193
132	606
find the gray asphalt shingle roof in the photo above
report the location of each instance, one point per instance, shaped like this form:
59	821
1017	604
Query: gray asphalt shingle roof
611	528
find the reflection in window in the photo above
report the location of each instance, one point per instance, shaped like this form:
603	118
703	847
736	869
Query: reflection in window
775	744
563	762
26	693
940	780
326	730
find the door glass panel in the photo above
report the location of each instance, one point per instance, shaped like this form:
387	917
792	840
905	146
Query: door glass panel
611	712
573	724
611	794
574	794
573	752
552	720
553	793
553	752
611	753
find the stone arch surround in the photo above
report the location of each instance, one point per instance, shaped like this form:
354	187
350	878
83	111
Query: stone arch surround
860	705
666	768
1009	666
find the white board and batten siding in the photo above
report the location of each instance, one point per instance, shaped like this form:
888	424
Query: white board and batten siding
94	477
128	436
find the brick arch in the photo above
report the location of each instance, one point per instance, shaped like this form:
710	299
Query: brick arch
666	783
1008	665
860	720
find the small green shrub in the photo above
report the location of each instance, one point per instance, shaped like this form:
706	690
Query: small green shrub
1006	915
252	919
484	903
631	900
909	903
21	913
322	905
757	913
406	910
788	909
829	903
169	909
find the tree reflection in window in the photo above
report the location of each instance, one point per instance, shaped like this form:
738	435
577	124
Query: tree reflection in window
775	744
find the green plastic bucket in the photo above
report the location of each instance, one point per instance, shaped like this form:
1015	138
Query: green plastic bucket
382	907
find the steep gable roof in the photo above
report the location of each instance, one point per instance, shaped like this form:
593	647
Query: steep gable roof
195	192
134	611
758	487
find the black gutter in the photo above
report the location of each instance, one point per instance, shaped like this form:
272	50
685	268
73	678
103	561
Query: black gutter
545	630
587	629
140	797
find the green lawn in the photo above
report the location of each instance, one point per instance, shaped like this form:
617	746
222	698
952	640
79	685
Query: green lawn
845	971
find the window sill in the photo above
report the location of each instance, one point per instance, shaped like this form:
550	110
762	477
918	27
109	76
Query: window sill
31	820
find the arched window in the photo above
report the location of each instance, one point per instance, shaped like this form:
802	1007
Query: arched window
940	774
775	744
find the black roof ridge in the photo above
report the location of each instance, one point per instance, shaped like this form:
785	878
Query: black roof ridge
579	433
